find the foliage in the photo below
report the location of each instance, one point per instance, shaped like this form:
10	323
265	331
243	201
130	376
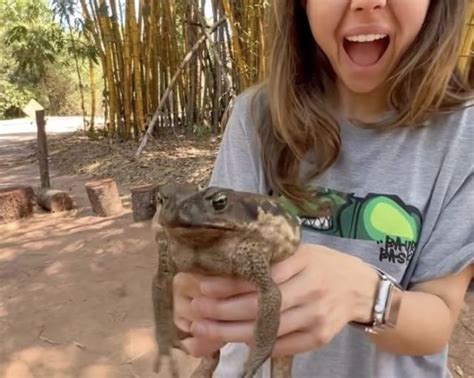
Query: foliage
37	59
33	46
14	11
12	98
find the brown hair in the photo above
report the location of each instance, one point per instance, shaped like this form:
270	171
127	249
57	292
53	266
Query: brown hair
290	108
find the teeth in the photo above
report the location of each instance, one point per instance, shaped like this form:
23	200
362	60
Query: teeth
365	37
325	224
320	223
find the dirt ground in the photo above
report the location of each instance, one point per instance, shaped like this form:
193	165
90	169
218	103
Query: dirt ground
75	288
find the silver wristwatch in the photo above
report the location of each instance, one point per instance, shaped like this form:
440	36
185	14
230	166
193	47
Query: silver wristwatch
386	305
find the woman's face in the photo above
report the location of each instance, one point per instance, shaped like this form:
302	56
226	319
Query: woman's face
365	39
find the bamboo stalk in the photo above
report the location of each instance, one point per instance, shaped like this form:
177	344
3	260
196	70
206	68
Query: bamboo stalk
137	76
183	64
93	94
235	42
467	47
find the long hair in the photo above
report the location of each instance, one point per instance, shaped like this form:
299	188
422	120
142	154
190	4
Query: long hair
290	109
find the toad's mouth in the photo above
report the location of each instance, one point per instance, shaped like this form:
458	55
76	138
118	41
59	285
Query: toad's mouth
201	227
366	50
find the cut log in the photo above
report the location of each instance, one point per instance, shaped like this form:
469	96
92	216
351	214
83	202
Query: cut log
144	201
104	197
16	202
54	200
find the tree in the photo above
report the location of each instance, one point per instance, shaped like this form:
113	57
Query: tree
33	45
66	11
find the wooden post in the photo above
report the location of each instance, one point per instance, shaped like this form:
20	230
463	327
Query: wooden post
42	149
144	201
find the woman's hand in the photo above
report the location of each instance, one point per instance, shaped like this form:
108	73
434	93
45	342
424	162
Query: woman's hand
322	290
186	287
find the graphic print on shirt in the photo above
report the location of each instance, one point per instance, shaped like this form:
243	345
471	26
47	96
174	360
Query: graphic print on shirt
384	219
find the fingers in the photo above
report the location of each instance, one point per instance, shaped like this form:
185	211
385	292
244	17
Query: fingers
201	347
296	342
302	341
224	331
186	284
228	299
237	308
288	268
193	284
245	306
224	287
300	290
183	323
317	315
185	288
294	319
315	336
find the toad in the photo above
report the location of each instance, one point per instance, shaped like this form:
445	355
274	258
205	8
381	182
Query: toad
222	232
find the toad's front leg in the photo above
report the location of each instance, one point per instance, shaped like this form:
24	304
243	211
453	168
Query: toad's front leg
162	296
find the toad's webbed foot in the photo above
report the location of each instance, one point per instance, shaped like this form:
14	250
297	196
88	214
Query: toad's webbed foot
207	366
172	365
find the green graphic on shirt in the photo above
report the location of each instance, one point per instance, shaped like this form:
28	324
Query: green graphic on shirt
385	219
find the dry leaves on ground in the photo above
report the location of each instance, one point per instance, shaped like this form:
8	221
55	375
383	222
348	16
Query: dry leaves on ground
178	157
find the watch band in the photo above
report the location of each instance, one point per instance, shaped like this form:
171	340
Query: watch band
386	305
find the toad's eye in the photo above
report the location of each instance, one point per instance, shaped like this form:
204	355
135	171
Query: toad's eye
219	201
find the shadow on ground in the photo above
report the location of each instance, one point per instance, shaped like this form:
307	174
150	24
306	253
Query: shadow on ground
75	289
76	297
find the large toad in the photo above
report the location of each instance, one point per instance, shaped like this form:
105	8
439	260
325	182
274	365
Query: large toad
227	233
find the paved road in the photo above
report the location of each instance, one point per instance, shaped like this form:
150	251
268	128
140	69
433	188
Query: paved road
16	148
26	127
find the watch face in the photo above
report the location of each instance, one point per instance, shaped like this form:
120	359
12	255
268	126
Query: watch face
379	308
386	306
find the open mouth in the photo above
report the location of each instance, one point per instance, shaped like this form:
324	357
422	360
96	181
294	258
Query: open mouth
366	49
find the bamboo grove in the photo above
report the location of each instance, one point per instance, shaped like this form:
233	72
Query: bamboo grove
186	58
142	44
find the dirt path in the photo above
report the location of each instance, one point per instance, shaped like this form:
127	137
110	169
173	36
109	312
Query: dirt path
75	288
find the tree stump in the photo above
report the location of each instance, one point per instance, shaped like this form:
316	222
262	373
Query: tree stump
54	200
144	202
104	197
16	202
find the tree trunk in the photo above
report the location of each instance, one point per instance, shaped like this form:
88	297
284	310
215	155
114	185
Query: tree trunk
78	72
93	95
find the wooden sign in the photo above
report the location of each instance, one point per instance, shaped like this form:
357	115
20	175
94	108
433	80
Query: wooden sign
31	108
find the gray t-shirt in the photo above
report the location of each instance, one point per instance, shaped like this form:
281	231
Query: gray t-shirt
389	197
